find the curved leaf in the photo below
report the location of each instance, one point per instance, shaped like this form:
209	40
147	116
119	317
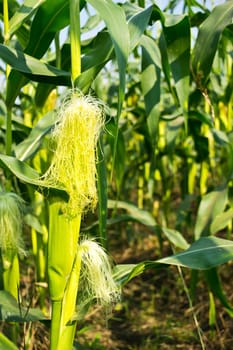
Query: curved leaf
11	312
28	175
6	344
115	20
136	213
33	68
24	12
97	54
176	31
221	221
50	18
175	238
150	80
138	20
206	253
212	204
30	145
207	41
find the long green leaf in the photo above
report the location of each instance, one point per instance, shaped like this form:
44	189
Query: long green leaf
138	214
102	193
30	145
175	238
33	68
211	205
138	21
115	20
24	12
207	41
221	221
28	175
11	312
50	18
150	80
6	344
206	253
216	287
177	35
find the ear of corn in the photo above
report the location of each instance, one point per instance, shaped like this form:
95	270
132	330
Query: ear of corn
74	162
11	241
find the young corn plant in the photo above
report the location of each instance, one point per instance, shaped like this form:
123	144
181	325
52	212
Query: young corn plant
170	134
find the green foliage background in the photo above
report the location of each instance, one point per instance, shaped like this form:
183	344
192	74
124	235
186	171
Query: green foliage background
166	154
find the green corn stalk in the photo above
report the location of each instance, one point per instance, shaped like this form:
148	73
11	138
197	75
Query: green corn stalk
63	287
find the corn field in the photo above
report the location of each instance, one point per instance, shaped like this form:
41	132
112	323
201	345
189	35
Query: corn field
116	174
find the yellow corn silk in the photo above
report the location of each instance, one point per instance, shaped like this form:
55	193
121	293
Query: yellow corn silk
96	280
73	166
11	240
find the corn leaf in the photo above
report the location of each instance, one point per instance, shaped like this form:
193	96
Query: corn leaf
204	254
207	41
140	215
28	147
221	221
177	36
33	68
211	205
215	286
50	18
25	11
138	21
28	175
102	193
150	80
97	54
115	20
10	310
175	238
6	344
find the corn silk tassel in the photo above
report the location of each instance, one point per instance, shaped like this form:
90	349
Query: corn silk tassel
11	241
73	168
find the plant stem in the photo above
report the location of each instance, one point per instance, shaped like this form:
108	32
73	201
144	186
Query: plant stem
6	29
58	51
6	40
75	42
8	132
63	274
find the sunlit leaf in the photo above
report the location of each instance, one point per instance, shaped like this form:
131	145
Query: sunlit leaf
221	221
150	80
30	145
26	10
206	253
177	35
115	20
207	41
140	215
138	21
28	175
33	68
175	238
6	344
211	205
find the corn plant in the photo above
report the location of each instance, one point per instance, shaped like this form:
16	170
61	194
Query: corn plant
81	118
